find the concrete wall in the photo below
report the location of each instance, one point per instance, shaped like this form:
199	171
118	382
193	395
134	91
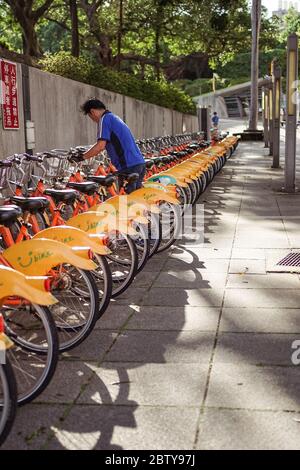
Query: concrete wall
55	111
168	121
144	119
215	103
12	141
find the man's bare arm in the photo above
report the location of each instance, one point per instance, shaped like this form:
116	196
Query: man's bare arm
95	150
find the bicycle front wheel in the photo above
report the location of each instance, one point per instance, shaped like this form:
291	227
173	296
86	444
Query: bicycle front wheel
171	226
142	243
35	353
123	261
8	399
155	233
77	309
103	278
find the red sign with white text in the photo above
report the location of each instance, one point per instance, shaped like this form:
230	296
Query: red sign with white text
10	110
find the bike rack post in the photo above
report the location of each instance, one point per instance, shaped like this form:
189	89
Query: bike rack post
265	106
271	102
291	113
276	116
204	122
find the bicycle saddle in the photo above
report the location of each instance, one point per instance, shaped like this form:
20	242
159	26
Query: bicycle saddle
62	195
105	181
149	163
86	187
31	204
5	163
32	158
9	214
157	160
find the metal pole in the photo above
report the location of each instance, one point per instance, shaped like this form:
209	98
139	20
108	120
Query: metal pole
276	116
291	113
265	103
204	122
26	105
120	32
271	119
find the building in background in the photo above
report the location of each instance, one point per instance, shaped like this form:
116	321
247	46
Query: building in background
283	7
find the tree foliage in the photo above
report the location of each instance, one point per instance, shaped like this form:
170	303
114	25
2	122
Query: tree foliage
92	73
151	34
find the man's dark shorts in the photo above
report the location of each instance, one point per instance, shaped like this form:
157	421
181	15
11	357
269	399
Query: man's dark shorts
141	170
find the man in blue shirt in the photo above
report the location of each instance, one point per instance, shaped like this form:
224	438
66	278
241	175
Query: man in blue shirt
215	119
115	136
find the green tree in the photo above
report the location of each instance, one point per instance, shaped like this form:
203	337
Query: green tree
10	31
27	13
152	33
290	24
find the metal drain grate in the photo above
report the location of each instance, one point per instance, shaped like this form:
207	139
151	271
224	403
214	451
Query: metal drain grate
292	259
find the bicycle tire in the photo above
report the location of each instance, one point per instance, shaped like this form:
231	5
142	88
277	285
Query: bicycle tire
194	191
8	400
188	193
168	239
182	197
204	182
31	353
155	233
41	221
143	243
125	260
103	276
73	321
198	183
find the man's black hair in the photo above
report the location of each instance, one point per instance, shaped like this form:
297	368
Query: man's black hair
92	103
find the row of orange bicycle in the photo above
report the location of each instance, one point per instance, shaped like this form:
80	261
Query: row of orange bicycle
71	239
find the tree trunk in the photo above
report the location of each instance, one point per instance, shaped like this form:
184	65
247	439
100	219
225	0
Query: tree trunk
30	40
75	31
105	51
256	23
158	22
27	19
120	34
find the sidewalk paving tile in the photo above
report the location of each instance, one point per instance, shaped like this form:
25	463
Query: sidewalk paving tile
262	298
247	386
119	427
249	430
146	384
255	348
162	347
180	297
174	318
263	320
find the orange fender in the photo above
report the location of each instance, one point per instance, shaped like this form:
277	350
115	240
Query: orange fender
14	283
73	236
36	257
92	222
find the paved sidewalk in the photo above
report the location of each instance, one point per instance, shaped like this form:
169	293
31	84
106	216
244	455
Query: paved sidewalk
201	358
